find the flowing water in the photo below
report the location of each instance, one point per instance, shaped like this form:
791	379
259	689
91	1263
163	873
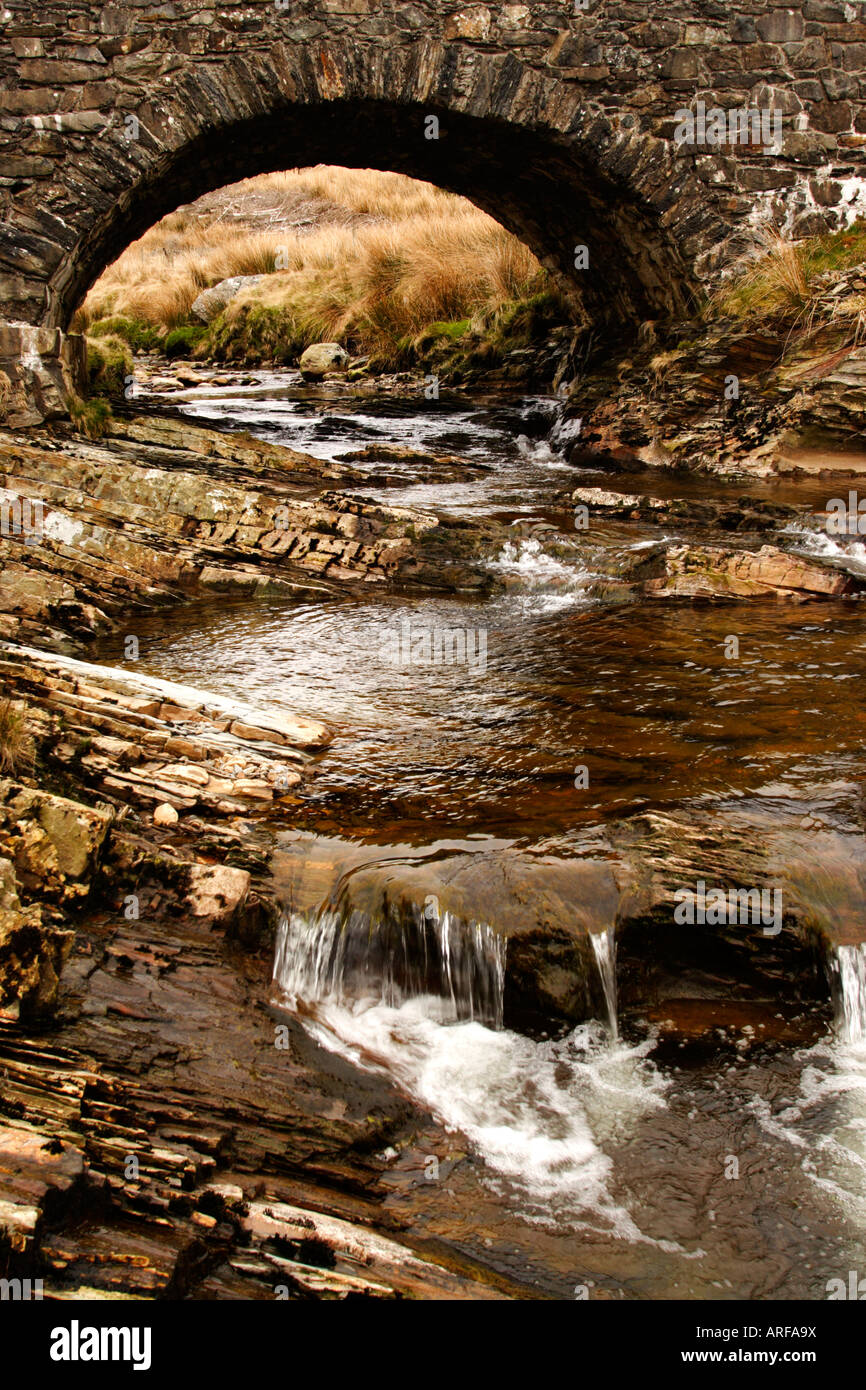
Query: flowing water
707	1150
850	967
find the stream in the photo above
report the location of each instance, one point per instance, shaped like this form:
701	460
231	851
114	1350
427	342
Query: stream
718	1156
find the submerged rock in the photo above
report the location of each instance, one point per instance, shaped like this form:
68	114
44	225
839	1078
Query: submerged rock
745	514
414	463
578	938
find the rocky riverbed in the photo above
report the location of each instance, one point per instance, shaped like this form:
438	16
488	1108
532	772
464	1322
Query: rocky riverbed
172	815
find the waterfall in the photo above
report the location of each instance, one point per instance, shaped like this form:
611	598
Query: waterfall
345	956
604	946
848	967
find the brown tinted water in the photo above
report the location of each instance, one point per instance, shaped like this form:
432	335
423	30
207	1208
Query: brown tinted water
710	1152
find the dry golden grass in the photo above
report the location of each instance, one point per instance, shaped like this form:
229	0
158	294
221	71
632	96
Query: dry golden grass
386	254
16	745
368	192
773	282
397	278
784	275
805	285
158	277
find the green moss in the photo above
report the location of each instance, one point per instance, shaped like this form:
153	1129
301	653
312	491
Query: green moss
470	348
836	251
141	336
182	342
109	363
255	332
524	322
446	330
89	417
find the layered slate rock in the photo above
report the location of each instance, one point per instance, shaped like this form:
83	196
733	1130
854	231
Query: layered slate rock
724	396
39	369
165	510
51	848
157	1141
744	514
151	743
713	572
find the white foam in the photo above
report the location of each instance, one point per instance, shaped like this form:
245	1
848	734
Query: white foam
825	1124
549	581
533	1111
825	546
540	452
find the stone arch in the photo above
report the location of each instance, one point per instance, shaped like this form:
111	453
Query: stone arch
559	120
523	145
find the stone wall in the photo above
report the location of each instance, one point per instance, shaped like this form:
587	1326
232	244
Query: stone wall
41	368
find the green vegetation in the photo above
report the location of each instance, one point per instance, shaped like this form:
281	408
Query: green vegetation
468	347
89	417
256	333
138	333
447	330
783	282
109	363
182	342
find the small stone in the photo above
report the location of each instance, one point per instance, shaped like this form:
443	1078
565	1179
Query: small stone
165	815
216	891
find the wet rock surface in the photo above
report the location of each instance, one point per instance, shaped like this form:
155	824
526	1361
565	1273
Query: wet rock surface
165	509
625	880
732	399
711	572
160	1133
744	514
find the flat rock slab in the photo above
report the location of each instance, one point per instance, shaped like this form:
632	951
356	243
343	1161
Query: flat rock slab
277	728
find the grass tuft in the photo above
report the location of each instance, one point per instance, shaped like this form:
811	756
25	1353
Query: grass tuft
109	363
16	745
782	280
89	417
182	342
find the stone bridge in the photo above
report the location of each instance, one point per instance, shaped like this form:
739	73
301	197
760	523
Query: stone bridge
558	117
